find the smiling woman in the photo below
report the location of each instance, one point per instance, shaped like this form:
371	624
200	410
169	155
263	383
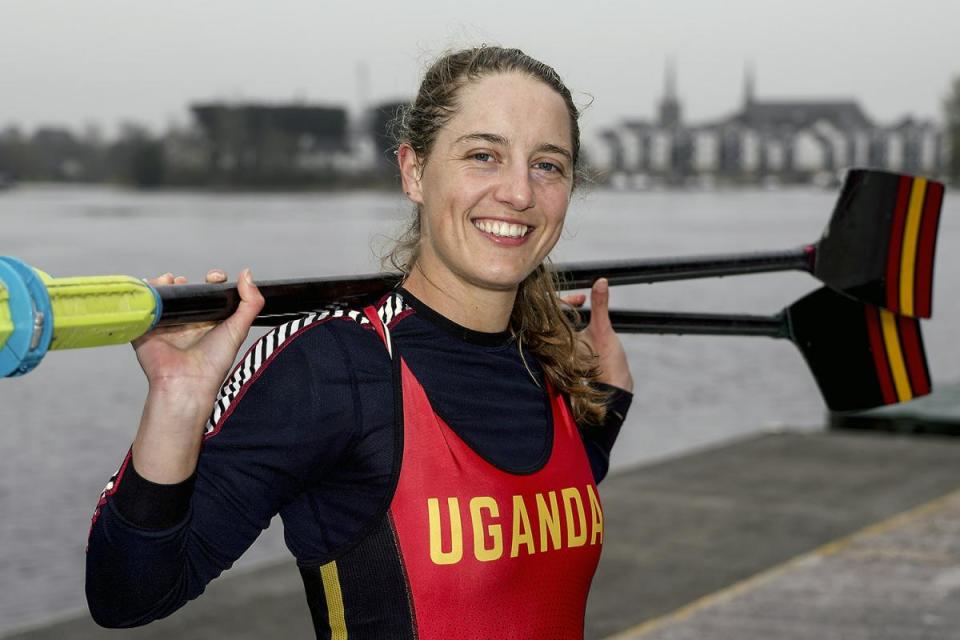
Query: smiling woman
463	395
504	130
491	168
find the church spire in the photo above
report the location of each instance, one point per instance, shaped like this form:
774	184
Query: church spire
749	84
670	80
670	105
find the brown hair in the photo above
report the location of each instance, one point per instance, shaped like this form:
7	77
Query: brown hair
537	319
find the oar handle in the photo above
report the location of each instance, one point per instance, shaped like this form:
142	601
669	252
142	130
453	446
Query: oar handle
39	313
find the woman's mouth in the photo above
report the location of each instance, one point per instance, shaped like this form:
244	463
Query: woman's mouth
502	229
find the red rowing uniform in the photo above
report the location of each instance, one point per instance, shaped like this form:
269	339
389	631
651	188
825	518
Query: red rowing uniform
488	553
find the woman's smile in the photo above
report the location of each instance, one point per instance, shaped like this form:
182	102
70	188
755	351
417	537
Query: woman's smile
503	232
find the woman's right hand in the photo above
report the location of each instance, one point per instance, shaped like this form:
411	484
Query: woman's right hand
185	367
198	356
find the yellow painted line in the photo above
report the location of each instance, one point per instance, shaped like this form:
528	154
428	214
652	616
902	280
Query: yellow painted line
831	548
898	367
908	255
331	590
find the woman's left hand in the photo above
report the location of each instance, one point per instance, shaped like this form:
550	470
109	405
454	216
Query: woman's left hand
601	338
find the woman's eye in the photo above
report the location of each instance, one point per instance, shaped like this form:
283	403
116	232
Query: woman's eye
548	167
482	156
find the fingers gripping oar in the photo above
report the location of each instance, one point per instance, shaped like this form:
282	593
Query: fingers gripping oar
878	247
861	355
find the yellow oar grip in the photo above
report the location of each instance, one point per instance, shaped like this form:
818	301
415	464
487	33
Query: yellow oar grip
6	320
99	310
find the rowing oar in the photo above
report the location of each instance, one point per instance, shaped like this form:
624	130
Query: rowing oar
861	356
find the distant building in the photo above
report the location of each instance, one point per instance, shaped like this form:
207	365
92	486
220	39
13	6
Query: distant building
786	140
255	142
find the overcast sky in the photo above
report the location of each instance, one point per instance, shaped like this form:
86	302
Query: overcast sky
101	61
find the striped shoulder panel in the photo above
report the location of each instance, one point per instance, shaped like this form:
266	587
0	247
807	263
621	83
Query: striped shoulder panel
390	309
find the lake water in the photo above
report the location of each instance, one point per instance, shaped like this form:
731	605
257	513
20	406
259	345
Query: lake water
66	426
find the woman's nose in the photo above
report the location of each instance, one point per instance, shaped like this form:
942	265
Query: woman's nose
515	189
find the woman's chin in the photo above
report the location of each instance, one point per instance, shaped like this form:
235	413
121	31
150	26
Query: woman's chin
502	280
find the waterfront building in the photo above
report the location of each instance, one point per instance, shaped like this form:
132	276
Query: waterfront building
764	141
265	143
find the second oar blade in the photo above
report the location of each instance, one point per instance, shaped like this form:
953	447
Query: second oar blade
879	246
861	356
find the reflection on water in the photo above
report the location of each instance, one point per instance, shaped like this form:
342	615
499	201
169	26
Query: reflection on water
65	427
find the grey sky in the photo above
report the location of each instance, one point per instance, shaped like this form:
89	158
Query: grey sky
105	60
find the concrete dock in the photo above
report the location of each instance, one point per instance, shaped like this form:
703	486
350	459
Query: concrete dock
782	535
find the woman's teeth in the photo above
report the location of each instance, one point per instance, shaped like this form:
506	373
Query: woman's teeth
501	229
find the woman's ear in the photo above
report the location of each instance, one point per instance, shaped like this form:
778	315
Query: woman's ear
411	170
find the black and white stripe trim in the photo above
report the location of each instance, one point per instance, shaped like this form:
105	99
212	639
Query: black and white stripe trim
390	308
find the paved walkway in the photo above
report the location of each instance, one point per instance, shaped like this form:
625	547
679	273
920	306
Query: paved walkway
684	530
897	580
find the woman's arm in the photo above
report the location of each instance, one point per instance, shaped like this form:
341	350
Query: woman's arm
598	440
167	524
615	377
283	419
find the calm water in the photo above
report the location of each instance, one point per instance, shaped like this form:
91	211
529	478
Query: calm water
65	427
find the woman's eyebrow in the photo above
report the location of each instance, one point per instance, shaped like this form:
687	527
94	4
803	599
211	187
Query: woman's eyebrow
492	138
552	148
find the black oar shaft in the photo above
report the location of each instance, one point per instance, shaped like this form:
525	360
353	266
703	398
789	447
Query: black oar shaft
185	304
580	275
710	324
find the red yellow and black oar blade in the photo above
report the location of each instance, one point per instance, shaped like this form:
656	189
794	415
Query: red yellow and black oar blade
879	246
861	356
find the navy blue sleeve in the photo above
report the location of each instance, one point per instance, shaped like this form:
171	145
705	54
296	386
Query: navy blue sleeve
599	439
284	416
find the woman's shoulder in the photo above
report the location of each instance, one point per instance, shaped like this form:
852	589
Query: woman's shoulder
328	333
310	355
329	343
324	334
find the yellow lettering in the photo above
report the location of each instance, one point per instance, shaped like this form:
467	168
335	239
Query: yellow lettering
522	533
571	498
480	532
437	554
549	520
596	516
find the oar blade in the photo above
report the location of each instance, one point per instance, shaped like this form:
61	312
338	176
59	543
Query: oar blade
861	356
880	243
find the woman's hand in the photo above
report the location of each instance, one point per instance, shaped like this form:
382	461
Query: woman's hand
185	367
601	338
198	356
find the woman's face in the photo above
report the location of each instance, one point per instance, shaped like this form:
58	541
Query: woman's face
495	188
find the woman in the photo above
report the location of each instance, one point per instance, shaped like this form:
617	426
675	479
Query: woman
433	456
